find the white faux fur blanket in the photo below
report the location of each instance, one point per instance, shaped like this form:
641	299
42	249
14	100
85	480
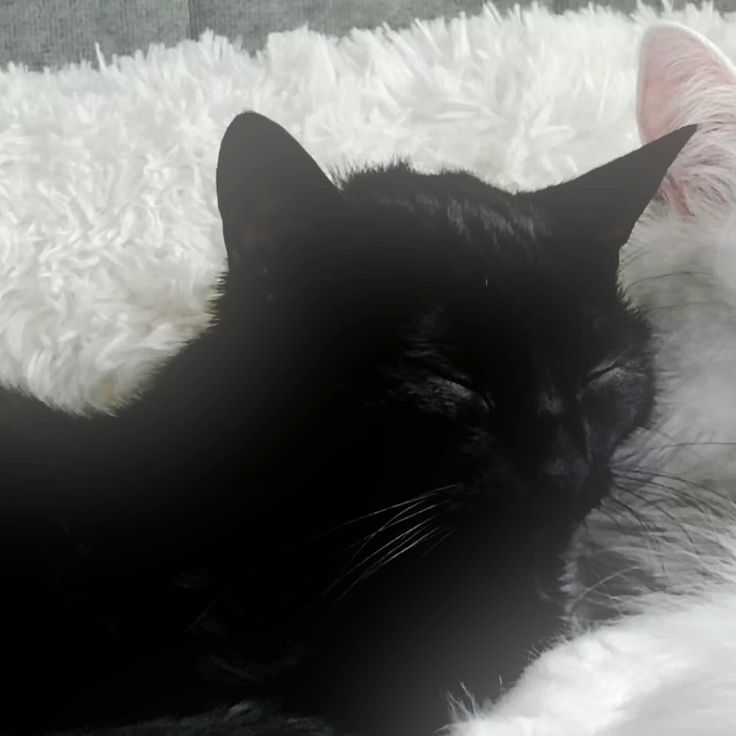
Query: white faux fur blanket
110	240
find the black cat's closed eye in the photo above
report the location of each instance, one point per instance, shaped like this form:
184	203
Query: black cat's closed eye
603	370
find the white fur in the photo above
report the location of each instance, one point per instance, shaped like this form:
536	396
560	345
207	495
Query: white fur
662	672
110	248
668	667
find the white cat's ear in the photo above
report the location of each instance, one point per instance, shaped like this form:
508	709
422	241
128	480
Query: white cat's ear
684	79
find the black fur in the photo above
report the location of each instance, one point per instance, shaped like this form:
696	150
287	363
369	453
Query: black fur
242	719
353	490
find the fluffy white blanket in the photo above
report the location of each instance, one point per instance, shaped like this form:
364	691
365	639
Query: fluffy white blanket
110	247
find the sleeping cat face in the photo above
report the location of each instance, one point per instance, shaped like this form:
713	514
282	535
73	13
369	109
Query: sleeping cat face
477	336
463	367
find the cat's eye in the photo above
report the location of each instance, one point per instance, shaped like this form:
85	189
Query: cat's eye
483	394
602	370
463	382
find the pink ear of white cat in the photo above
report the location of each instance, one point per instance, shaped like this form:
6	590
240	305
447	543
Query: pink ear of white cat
680	76
684	79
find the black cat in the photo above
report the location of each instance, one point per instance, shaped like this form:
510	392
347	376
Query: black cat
353	490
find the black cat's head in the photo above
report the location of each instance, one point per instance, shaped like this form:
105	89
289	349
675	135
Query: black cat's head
467	335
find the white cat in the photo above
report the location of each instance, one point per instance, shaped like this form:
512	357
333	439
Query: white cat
659	558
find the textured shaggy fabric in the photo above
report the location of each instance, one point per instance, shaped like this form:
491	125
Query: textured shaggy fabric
109	230
110	242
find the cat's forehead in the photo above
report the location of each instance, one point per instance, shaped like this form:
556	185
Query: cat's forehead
497	251
502	224
457	207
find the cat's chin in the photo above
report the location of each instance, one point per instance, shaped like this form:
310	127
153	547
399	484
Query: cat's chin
592	495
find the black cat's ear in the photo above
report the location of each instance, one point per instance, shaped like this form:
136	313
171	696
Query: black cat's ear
269	189
599	209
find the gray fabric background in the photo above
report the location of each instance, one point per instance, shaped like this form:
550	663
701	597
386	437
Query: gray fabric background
51	32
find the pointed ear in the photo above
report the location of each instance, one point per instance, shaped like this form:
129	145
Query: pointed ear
598	210
590	218
270	191
683	79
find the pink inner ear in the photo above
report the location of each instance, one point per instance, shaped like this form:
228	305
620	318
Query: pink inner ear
657	85
682	77
679	70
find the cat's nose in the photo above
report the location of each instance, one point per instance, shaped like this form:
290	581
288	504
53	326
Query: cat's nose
566	470
560	454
